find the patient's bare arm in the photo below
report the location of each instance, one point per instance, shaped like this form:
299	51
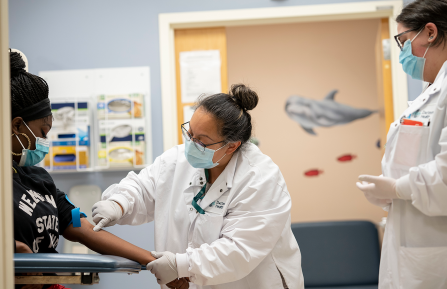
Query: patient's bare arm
22	248
106	243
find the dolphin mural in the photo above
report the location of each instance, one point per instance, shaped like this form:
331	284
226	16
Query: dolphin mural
310	113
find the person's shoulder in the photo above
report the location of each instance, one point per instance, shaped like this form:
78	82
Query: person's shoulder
260	166
172	155
34	170
255	169
254	157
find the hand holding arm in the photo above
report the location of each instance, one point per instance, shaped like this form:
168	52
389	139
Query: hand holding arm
106	214
164	268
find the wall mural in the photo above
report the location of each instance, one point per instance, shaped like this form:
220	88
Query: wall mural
310	113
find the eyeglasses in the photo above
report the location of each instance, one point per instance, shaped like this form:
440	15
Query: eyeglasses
400	34
199	145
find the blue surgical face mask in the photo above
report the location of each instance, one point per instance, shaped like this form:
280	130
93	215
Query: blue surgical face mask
33	157
198	159
412	65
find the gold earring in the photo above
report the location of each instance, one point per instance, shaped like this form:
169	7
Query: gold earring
29	144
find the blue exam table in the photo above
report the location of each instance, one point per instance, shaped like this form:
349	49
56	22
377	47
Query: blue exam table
66	265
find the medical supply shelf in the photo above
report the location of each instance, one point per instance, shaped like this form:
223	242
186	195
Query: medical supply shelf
124	135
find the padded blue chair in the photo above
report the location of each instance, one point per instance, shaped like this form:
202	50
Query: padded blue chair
339	255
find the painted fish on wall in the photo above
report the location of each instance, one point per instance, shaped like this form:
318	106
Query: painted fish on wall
313	173
346	158
310	113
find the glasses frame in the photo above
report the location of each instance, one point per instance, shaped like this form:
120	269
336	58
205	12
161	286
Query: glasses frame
396	37
199	145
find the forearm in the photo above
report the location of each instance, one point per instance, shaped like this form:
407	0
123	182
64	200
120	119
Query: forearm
22	247
106	243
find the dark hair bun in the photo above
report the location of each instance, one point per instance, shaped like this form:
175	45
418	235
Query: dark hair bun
17	63
246	98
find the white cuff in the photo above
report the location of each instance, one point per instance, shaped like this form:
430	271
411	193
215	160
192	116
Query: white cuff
182	265
403	189
122	200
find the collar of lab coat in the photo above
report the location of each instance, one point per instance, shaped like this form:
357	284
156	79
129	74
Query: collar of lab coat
429	92
436	86
220	186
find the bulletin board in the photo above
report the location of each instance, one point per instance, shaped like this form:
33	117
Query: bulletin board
89	85
198	40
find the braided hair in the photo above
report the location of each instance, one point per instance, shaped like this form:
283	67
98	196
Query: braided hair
231	112
26	88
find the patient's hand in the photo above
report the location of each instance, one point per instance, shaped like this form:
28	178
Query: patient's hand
22	248
181	283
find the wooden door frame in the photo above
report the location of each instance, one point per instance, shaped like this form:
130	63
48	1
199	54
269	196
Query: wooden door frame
168	22
6	204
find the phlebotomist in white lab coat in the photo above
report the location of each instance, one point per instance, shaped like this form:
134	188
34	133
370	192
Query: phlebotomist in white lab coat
220	206
413	187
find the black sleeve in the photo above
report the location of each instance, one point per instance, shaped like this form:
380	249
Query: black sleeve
64	207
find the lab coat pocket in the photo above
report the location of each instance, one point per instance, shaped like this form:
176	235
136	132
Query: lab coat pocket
409	143
423	267
207	228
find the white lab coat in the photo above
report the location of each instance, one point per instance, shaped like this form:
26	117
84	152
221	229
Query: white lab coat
414	251
243	241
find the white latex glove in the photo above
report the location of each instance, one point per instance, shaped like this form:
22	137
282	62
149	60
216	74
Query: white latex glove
164	268
378	187
375	201
105	214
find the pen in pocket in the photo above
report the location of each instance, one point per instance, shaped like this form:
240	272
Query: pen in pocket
412	122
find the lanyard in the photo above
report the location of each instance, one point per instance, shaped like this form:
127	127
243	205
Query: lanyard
200	195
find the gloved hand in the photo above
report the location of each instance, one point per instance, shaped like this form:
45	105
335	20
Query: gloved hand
377	202
105	214
164	268
378	187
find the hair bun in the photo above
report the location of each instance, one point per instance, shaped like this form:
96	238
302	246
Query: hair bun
17	63
244	96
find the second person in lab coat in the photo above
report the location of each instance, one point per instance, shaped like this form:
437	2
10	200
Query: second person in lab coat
220	206
413	187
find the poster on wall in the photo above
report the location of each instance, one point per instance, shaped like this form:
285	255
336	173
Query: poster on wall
199	74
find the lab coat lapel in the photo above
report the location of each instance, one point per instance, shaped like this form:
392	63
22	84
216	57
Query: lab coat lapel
216	190
426	95
222	184
193	187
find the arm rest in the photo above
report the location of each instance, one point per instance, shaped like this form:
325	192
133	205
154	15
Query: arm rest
71	263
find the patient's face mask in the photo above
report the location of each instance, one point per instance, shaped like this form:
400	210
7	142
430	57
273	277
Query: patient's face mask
198	159
33	157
